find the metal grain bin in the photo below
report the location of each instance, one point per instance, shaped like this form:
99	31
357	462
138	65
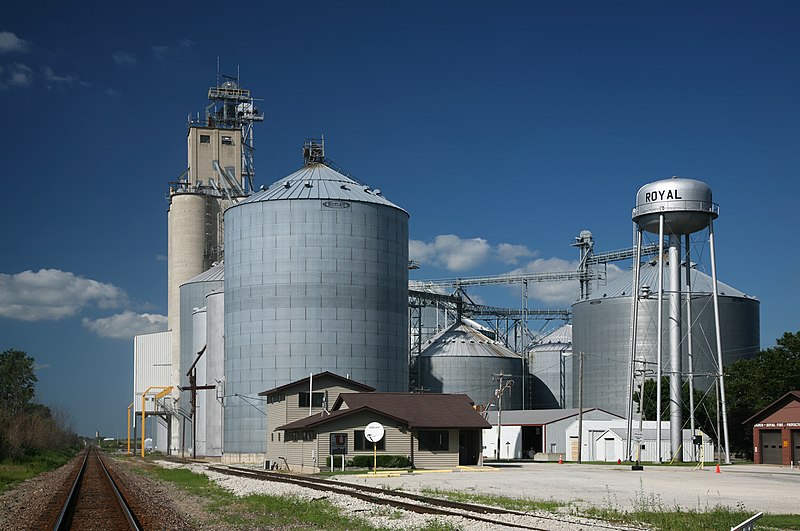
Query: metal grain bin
316	280
601	329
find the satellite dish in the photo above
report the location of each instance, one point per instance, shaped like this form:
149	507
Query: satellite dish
374	432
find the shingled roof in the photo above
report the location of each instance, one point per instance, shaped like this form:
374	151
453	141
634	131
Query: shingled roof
317	377
415	410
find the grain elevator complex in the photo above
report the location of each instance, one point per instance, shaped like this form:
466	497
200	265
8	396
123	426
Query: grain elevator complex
270	285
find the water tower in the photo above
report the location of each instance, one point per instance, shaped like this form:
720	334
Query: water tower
674	208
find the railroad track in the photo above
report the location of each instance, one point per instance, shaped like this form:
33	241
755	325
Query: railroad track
406	500
94	501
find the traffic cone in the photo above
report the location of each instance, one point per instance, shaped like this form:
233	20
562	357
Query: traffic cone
717	471
560	460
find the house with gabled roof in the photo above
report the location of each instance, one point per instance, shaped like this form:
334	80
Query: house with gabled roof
431	430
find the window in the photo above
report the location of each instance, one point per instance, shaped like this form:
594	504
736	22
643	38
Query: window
227	140
309	435
205	139
434	440
278	397
361	443
316	400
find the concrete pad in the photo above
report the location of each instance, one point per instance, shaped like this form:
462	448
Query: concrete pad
754	488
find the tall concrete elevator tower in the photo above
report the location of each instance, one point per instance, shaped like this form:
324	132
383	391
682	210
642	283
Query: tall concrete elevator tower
219	173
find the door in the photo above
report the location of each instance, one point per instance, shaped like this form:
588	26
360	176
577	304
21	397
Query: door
771	447
796	447
469	446
573	448
609	450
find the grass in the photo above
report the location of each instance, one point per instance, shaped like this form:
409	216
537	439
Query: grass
257	510
18	470
506	502
648	510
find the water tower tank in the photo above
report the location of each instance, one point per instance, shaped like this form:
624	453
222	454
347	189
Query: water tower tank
685	203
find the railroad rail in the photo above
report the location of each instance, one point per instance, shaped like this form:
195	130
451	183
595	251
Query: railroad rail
400	499
94	501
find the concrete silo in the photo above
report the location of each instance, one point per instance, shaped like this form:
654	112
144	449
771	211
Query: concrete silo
316	280
551	369
462	360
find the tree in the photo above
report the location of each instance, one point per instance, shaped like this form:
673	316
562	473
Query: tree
17	381
753	384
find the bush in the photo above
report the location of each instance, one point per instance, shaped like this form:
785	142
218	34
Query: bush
367	461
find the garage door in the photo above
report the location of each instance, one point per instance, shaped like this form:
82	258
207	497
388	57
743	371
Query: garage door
771	447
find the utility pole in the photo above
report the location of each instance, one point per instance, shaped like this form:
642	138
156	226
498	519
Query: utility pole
499	395
580	408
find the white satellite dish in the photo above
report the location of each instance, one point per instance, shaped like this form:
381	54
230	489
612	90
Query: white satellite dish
374	432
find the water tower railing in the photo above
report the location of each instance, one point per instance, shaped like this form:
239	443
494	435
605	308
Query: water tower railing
677	205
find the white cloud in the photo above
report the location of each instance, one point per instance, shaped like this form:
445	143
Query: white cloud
16	75
69	80
9	42
51	294
451	252
127	324
511	254
124	59
458	254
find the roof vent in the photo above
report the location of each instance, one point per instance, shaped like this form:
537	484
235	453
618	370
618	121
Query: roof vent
308	184
344	187
377	191
287	184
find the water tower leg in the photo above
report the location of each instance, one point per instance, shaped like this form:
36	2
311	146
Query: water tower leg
674	327
719	338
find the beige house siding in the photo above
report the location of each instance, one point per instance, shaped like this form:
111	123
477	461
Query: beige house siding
288	410
444	459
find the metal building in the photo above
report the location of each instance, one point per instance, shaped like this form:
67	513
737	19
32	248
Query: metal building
461	360
602	324
316	280
550	360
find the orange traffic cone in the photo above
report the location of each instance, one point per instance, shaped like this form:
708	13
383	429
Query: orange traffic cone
560	460
717	471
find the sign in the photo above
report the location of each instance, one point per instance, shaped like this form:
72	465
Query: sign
373	432
336	204
338	443
637	437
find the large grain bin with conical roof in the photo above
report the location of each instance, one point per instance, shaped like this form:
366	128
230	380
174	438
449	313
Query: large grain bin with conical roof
316	280
460	359
601	330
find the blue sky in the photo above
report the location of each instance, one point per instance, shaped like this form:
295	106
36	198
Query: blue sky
504	128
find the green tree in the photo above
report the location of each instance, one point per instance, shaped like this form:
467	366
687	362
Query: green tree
753	384
17	381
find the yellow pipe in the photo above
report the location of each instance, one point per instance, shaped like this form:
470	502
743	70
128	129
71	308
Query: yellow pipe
143	414
129	426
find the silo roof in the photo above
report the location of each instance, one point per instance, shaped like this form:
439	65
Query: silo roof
556	340
215	274
318	181
701	283
462	341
